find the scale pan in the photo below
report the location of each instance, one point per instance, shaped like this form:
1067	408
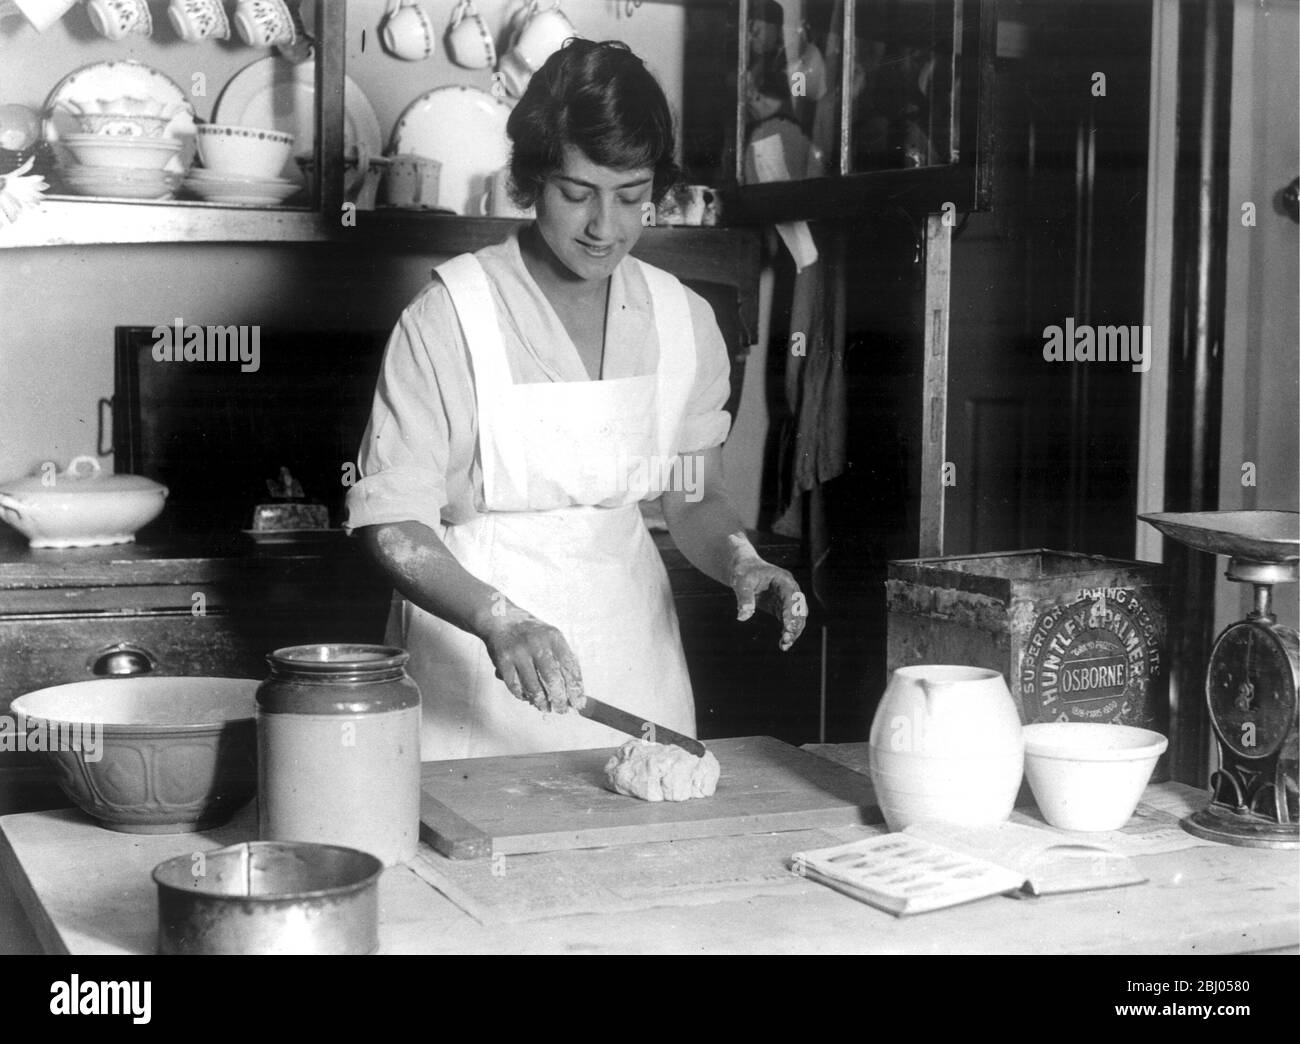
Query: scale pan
1257	536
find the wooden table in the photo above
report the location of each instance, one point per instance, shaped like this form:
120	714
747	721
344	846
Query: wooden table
89	891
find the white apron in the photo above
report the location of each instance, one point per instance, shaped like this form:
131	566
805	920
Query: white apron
564	465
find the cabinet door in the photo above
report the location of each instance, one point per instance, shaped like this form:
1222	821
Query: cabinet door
1044	451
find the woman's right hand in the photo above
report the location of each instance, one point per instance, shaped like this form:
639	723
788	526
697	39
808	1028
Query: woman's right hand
532	658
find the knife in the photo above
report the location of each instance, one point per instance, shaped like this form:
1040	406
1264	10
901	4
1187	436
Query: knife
623	721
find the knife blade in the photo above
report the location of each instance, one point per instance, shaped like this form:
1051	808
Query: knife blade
633	725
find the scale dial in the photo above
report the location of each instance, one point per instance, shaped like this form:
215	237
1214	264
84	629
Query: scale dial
1250	687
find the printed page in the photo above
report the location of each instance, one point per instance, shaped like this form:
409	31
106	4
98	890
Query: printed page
903	875
1052	860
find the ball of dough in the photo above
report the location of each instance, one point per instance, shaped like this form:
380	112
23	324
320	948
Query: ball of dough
662	772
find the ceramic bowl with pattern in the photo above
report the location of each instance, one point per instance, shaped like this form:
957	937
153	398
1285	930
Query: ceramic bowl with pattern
149	755
252	152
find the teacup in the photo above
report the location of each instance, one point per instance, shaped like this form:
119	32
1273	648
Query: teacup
264	23
196	20
302	48
43	13
469	41
408	32
512	76
542	33
116	18
412	181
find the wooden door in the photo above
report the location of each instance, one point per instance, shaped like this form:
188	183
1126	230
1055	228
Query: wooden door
1044	453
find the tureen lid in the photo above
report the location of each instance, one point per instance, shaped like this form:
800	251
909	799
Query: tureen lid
84	475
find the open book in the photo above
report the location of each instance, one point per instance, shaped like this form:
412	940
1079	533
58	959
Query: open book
933	865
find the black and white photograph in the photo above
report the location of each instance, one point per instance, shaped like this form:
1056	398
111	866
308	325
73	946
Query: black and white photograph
609	477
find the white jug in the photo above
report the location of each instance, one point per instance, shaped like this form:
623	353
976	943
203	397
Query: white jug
946	744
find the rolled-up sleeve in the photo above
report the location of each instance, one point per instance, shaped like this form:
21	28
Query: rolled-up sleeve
405	453
706	423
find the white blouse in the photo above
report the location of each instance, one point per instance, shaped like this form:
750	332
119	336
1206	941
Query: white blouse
418	459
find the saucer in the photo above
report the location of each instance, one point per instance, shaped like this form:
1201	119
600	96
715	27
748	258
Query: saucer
258	192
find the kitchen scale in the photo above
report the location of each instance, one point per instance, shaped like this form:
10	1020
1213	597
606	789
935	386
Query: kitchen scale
1251	680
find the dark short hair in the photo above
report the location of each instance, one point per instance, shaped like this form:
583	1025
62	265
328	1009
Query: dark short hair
599	98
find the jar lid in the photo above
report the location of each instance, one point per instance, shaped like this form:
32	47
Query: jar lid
342	678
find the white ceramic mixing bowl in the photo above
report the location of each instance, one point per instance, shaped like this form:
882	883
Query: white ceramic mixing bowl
1088	776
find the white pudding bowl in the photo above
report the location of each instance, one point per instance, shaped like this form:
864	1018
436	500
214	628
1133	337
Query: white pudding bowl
1088	776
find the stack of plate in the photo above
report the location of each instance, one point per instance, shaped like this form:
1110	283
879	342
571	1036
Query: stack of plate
120	182
121	166
236	189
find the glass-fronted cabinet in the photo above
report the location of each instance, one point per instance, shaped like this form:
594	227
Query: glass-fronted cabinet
901	97
842	104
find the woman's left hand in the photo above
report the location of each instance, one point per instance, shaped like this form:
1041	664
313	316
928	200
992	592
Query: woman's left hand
759	584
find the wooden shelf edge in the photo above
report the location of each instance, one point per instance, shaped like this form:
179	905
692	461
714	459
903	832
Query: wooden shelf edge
727	255
92	222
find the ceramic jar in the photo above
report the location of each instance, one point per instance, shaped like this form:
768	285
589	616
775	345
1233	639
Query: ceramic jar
946	744
338	743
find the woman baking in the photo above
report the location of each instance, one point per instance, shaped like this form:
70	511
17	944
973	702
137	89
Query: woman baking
529	398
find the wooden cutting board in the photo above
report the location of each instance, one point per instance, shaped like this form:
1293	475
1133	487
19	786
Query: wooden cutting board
481	807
